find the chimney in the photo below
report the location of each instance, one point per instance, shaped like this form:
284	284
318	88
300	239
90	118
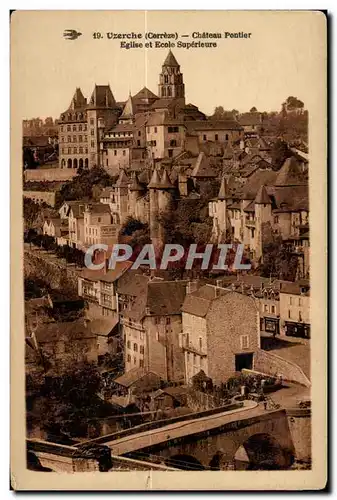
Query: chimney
191	287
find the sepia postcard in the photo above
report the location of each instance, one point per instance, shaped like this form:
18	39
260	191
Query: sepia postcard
168	250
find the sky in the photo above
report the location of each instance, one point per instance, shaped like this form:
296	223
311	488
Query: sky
275	62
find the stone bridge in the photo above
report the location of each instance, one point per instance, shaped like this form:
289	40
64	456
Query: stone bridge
246	438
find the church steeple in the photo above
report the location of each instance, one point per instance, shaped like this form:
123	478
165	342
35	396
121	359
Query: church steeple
171	85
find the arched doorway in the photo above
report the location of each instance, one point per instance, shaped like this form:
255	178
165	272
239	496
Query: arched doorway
86	163
80	164
63	163
75	163
262	452
69	163
184	462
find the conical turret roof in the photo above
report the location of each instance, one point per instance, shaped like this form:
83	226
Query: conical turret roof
170	60
129	108
135	184
223	190
123	180
165	182
155	182
262	196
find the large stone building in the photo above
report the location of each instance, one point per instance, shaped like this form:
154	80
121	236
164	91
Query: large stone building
220	333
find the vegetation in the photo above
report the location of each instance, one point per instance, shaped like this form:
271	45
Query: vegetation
278	261
280	152
83	185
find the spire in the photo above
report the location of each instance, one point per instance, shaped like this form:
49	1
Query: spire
165	182
223	190
135	184
170	60
123	180
155	182
128	110
262	197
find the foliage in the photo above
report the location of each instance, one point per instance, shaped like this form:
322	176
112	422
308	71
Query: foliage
253	110
131	225
221	114
81	186
31	211
292	103
280	152
278	261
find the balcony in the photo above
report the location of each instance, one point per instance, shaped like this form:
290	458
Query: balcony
90	295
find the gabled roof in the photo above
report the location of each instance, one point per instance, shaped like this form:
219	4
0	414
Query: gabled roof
202	167
201	125
199	302
65	330
102	97
108	276
289	173
98	208
262	197
132	376
77	207
145	93
171	60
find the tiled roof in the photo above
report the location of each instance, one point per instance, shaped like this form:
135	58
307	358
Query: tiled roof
262	197
77	208
132	376
170	60
253	118
145	93
103	326
67	330
98	208
288	175
203	167
123	180
102	97
199	302
109	275
201	125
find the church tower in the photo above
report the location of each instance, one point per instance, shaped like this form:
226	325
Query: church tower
171	85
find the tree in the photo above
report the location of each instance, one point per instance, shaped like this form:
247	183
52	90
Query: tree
221	114
292	104
278	261
81	186
253	110
31	211
280	152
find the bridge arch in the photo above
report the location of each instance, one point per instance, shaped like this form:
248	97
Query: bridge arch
184	462
262	452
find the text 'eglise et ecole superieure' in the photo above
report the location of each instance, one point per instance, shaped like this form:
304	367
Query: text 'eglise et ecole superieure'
171	40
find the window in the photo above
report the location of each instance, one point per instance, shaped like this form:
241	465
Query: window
134	360
290	300
86	150
128	344
124	152
205	137
129	358
141	349
265	308
170	153
84	127
166	79
299	302
92	144
74	128
80	150
216	137
135	347
79	138
173	143
69	138
115	152
75	151
80	128
139	133
276	219
92	121
273	309
99	219
200	343
289	313
168	321
244	341
157	320
138	143
141	363
300	316
68	128
69	151
92	131
155	130
227	137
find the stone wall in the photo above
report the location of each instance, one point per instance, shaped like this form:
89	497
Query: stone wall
271	364
299	421
49	174
41	196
